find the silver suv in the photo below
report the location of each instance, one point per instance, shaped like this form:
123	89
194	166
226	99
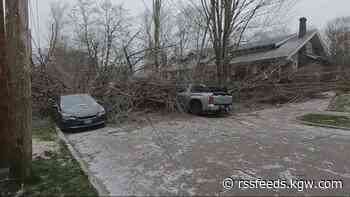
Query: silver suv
199	99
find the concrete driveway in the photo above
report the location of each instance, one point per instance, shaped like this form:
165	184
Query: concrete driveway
187	155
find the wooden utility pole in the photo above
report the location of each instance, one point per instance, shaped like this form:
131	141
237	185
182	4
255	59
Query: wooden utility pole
19	86
4	95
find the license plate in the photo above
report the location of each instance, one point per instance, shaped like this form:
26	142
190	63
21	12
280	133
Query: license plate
220	99
87	121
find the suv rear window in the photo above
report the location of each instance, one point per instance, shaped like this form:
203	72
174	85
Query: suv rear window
199	88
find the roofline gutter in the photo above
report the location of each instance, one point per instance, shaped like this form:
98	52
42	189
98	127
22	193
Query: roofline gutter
260	60
278	44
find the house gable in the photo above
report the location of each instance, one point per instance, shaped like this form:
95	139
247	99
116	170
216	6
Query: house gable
284	49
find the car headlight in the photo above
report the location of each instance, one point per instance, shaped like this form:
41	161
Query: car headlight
101	113
67	117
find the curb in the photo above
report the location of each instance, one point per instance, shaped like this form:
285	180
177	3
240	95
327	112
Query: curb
95	182
322	125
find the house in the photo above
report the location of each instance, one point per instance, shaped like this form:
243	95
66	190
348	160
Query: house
290	53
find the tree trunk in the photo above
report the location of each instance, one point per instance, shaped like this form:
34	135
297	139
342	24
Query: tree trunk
18	50
157	5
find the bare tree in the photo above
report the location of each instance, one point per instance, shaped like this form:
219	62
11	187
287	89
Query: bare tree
228	20
338	36
193	31
113	21
274	21
157	34
132	58
84	17
157	7
46	74
57	22
101	29
191	28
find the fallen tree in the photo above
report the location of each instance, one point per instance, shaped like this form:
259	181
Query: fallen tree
123	97
273	87
45	87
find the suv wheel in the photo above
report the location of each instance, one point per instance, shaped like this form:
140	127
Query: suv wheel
196	108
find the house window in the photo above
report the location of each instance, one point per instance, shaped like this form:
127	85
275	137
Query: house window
309	48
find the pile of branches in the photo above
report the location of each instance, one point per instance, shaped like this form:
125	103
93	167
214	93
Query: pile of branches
285	92
137	95
273	87
45	88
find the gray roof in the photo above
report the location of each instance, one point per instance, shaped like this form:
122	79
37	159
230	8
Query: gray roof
283	48
266	42
276	48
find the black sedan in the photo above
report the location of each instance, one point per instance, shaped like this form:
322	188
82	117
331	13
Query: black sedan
79	111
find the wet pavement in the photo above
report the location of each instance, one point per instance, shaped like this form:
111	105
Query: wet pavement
188	155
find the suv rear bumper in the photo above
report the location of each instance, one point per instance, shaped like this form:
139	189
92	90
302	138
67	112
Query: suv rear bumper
216	108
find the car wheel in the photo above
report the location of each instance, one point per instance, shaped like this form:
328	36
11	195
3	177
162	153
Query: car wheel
196	107
60	125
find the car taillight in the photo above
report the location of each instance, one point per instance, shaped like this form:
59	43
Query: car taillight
211	100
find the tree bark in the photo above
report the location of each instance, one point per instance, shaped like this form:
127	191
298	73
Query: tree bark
157	5
228	19
5	134
20	111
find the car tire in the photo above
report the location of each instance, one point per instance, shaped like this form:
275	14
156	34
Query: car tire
196	108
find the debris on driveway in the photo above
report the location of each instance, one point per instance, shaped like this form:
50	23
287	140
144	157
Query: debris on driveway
187	155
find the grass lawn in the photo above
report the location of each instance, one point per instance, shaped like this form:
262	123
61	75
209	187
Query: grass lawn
339	121
45	133
341	103
60	175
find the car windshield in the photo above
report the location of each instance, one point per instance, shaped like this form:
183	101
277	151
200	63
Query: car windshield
218	89
76	100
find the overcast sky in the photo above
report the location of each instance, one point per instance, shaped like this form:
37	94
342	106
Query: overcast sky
318	12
